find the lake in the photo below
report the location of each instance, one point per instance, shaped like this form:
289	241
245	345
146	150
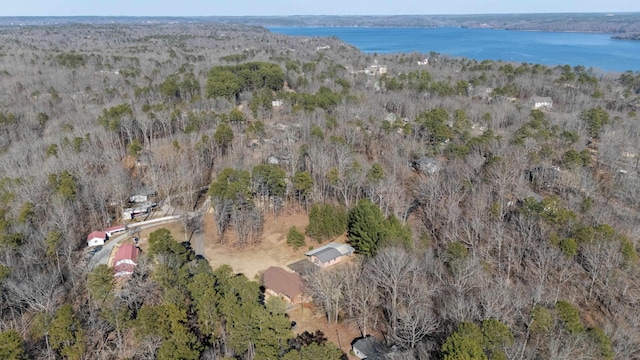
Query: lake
536	47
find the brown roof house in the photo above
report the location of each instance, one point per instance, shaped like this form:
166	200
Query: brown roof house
125	260
330	254
96	238
284	284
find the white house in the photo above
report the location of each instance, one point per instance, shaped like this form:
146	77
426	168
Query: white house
138	198
96	238
539	102
330	254
114	230
376	69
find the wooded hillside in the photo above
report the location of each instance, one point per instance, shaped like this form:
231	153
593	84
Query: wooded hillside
493	206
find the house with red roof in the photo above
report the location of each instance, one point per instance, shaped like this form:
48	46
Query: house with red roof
284	284
96	238
125	260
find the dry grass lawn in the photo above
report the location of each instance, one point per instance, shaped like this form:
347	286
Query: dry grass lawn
271	251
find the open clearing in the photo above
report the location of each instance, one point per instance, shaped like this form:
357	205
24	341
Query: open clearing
271	251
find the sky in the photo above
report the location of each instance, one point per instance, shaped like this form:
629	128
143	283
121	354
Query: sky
304	7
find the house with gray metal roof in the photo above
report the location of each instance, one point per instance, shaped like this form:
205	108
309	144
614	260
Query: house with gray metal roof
330	254
370	348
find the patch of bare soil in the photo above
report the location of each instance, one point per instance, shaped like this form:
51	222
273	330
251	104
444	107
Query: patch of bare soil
272	250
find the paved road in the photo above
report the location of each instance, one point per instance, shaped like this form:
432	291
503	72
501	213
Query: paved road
198	239
102	255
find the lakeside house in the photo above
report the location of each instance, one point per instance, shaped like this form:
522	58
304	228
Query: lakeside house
330	254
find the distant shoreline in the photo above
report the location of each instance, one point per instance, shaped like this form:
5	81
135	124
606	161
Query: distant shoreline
549	48
622	24
632	37
613	36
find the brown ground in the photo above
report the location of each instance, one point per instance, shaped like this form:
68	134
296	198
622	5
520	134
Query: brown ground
311	319
271	251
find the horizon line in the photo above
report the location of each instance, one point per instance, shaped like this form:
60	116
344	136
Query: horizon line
323	15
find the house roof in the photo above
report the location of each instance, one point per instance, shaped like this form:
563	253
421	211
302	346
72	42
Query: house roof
97	234
114	228
328	254
126	252
371	348
123	269
283	282
303	267
331	251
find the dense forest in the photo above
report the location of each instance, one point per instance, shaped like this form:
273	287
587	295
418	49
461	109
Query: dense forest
493	206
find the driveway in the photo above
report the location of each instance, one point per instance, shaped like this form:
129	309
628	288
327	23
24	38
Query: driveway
102	255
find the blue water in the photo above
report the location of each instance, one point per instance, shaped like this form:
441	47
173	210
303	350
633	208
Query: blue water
536	47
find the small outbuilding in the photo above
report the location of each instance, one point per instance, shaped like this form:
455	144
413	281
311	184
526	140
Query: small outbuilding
284	284
125	260
96	238
330	254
